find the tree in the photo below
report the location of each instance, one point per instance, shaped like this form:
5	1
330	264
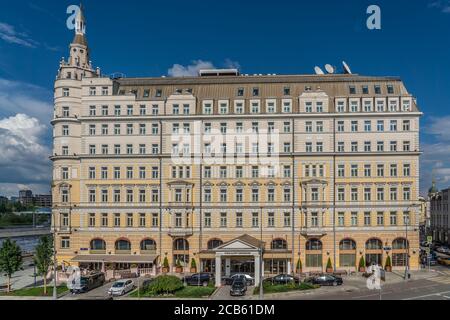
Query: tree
329	264
10	259
43	258
299	266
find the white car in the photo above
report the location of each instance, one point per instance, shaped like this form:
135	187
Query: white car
249	279
121	287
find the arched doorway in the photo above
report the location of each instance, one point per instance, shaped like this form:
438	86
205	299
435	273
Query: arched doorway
347	253
400	252
314	254
374	252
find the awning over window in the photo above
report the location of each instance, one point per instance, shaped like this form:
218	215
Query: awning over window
116	258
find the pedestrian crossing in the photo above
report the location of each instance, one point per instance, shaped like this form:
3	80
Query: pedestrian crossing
442	278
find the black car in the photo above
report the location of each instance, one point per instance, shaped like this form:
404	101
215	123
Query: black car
239	287
283	279
198	279
326	280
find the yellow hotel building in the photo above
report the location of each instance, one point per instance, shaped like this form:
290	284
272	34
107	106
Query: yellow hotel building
245	172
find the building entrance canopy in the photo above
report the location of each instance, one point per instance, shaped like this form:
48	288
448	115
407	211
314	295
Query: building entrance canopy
244	246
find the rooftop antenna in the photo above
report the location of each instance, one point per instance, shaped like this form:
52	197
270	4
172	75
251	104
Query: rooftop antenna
347	69
318	71
330	69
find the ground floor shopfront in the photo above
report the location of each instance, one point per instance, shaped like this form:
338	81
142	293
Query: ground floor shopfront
273	253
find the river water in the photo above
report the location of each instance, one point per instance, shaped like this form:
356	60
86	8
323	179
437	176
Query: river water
27	244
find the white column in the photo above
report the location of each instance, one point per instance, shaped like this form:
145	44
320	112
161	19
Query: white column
257	270
227	267
218	271
288	267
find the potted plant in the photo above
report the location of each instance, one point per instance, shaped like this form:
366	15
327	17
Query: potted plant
193	266
388	265
178	267
362	264
166	266
329	266
299	266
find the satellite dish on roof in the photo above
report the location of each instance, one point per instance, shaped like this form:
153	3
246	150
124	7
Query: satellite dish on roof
346	68
318	70
329	68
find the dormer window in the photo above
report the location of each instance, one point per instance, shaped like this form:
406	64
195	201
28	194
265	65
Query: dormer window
352	89
240	92
365	90
255	92
287	91
146	93
390	89
377	89
158	93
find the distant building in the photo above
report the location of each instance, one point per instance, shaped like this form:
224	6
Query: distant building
26	197
439	212
43	200
3	200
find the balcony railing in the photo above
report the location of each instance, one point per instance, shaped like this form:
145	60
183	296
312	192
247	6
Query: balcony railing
122	252
97	251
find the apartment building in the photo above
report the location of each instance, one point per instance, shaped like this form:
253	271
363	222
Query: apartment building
242	172
439	214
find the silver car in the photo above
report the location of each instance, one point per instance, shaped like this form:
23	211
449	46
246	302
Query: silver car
121	287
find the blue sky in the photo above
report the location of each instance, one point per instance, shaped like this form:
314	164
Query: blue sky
147	38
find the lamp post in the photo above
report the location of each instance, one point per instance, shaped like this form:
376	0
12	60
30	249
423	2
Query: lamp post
261	289
407	222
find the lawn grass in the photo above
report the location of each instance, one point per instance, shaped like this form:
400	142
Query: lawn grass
279	288
35	292
185	292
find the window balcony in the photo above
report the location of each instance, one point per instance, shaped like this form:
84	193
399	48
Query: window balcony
180	232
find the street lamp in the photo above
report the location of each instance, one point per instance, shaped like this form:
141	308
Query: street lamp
406	222
261	289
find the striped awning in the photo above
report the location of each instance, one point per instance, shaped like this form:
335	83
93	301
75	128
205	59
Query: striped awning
115	258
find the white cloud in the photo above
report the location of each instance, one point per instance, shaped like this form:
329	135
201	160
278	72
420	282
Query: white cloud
25	131
192	70
439	127
20	97
442	5
24	157
9	34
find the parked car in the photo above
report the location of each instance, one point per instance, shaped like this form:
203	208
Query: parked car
121	287
283	279
444	250
197	279
444	261
239	287
249	279
325	280
88	283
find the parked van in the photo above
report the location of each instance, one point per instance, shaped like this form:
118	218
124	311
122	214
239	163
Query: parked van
89	282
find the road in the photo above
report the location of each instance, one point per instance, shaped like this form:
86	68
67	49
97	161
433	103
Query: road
24	232
434	288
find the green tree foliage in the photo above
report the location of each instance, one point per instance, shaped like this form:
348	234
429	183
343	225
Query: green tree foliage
329	264
166	263
362	262
165	285
193	264
388	262
10	260
43	258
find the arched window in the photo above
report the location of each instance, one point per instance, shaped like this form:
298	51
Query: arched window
279	244
347	244
123	244
148	244
313	245
180	245
98	244
214	243
374	244
400	244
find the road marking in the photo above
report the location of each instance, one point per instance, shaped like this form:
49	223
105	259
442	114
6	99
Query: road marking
441	294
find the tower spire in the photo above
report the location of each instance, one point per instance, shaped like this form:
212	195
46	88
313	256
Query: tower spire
80	22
